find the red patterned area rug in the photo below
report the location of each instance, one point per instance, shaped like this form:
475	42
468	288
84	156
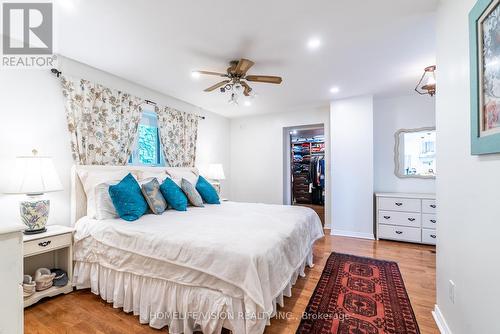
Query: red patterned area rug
358	295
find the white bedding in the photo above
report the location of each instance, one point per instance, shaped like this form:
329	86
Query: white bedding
243	250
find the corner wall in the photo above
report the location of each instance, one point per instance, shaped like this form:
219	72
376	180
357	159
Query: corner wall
352	158
468	190
33	116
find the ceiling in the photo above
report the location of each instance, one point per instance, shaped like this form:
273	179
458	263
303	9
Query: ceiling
367	47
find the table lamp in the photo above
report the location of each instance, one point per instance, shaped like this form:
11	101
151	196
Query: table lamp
216	173
33	176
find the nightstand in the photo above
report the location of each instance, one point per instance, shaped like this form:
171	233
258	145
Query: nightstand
51	249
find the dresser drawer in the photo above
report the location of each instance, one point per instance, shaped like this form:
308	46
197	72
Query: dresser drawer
399	218
399	204
428	206
429	221
402	233
46	244
429	236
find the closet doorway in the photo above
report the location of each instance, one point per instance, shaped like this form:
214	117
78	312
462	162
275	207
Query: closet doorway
306	161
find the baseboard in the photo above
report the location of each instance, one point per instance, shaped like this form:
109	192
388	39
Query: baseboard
440	321
352	234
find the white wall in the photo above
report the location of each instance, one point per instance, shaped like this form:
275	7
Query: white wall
352	155
390	115
468	189
32	116
257	154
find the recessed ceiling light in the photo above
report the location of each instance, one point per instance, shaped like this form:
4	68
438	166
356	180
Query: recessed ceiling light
314	43
334	90
247	103
195	74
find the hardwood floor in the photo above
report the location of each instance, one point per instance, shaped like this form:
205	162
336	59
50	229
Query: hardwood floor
83	312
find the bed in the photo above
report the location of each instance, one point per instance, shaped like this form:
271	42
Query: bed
226	265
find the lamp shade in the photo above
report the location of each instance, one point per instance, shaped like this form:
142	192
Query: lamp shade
216	172
34	175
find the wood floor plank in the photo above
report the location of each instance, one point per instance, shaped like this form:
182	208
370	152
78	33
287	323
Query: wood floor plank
84	312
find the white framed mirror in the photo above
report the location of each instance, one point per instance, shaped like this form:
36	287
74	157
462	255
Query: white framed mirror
415	153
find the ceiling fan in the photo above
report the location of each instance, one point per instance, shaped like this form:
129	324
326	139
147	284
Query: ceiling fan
237	78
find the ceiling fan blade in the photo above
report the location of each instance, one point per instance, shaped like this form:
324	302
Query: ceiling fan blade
264	78
217	85
243	66
212	73
247	89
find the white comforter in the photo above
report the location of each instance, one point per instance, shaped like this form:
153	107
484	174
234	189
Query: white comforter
244	250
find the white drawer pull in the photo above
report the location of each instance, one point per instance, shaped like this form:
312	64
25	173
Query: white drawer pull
399	232
398	203
44	244
411	219
433	236
387	217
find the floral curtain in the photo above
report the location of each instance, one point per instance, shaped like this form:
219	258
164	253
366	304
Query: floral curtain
102	122
178	132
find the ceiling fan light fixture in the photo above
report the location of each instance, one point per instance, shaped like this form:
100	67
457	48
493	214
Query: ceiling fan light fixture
195	74
237	88
233	99
236	81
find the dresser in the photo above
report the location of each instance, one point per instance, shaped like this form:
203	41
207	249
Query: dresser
406	217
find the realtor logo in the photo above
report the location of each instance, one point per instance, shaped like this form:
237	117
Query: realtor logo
27	28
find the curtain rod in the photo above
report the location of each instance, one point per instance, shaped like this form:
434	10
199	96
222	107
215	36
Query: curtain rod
58	74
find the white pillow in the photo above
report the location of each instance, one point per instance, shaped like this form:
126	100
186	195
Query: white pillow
104	207
179	173
91	178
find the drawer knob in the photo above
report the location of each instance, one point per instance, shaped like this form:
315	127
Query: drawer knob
399	232
433	221
433	236
433	206
411	219
398	203
387	217
44	243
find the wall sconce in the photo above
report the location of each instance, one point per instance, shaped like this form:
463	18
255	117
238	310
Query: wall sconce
427	84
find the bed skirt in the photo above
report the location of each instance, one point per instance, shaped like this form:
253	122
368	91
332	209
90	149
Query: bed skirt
184	309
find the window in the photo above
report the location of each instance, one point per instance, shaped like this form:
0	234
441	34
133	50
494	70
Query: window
147	147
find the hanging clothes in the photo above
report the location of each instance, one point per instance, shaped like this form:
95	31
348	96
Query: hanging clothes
308	170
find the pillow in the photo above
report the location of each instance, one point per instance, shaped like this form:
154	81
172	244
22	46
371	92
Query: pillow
91	178
191	193
152	194
173	195
104	208
127	199
179	173
207	191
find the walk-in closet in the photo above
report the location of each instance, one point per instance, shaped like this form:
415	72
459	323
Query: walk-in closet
307	169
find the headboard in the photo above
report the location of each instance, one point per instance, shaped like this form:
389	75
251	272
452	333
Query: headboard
78	196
